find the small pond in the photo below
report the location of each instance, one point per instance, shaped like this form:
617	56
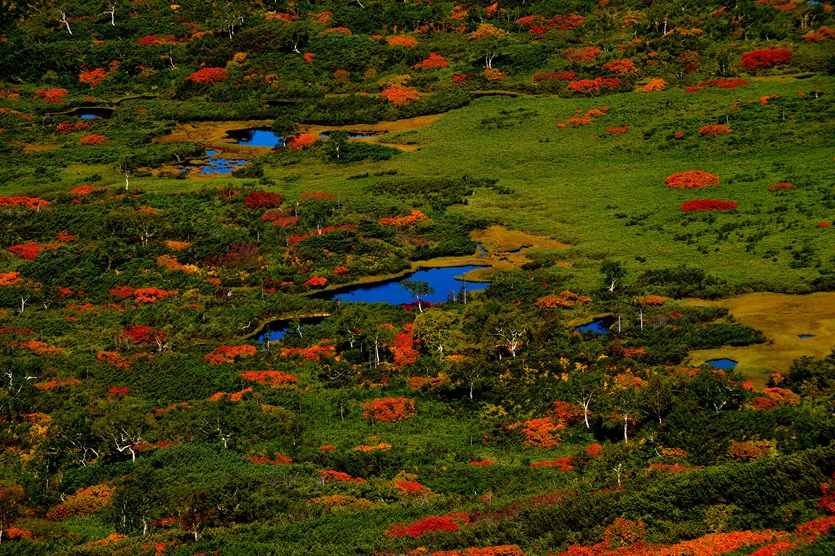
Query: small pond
255	137
92	113
597	326
219	165
276	330
805	336
722	363
442	280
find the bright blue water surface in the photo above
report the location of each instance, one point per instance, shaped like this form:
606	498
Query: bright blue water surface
597	326
722	363
92	113
276	330
257	137
442	281
806	336
220	165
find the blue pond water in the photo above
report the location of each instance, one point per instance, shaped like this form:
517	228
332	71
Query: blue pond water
276	330
442	281
597	326
218	165
93	113
255	137
722	363
806	336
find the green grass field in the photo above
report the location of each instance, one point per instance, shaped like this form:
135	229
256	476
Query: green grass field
605	193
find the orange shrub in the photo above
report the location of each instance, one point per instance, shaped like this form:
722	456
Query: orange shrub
299	142
432	62
400	95
405	41
413	218
692	179
541	433
622	66
273	378
389	410
654	85
93	139
714	130
85	501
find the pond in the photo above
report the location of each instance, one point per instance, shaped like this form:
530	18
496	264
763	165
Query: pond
255	137
442	280
219	165
597	326
276	330
722	363
805	336
92	113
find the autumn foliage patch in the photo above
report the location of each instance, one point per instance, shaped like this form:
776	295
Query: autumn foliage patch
299	142
692	179
263	199
708	204
722	83
714	130
594	85
562	75
389	410
413	218
31	202
272	378
766	58
425	525
400	95
208	76
93	139
432	62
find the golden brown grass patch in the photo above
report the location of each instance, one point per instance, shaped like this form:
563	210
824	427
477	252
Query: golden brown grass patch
783	318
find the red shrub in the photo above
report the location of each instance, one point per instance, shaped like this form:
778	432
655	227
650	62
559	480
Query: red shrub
119	391
723	83
708	204
208	76
152	40
766	58
421	526
92	77
620	129
263	199
783	185
594	85
30	250
562	463
142	334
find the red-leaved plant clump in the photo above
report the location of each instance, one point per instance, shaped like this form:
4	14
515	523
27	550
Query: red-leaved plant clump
708	204
208	76
766	58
